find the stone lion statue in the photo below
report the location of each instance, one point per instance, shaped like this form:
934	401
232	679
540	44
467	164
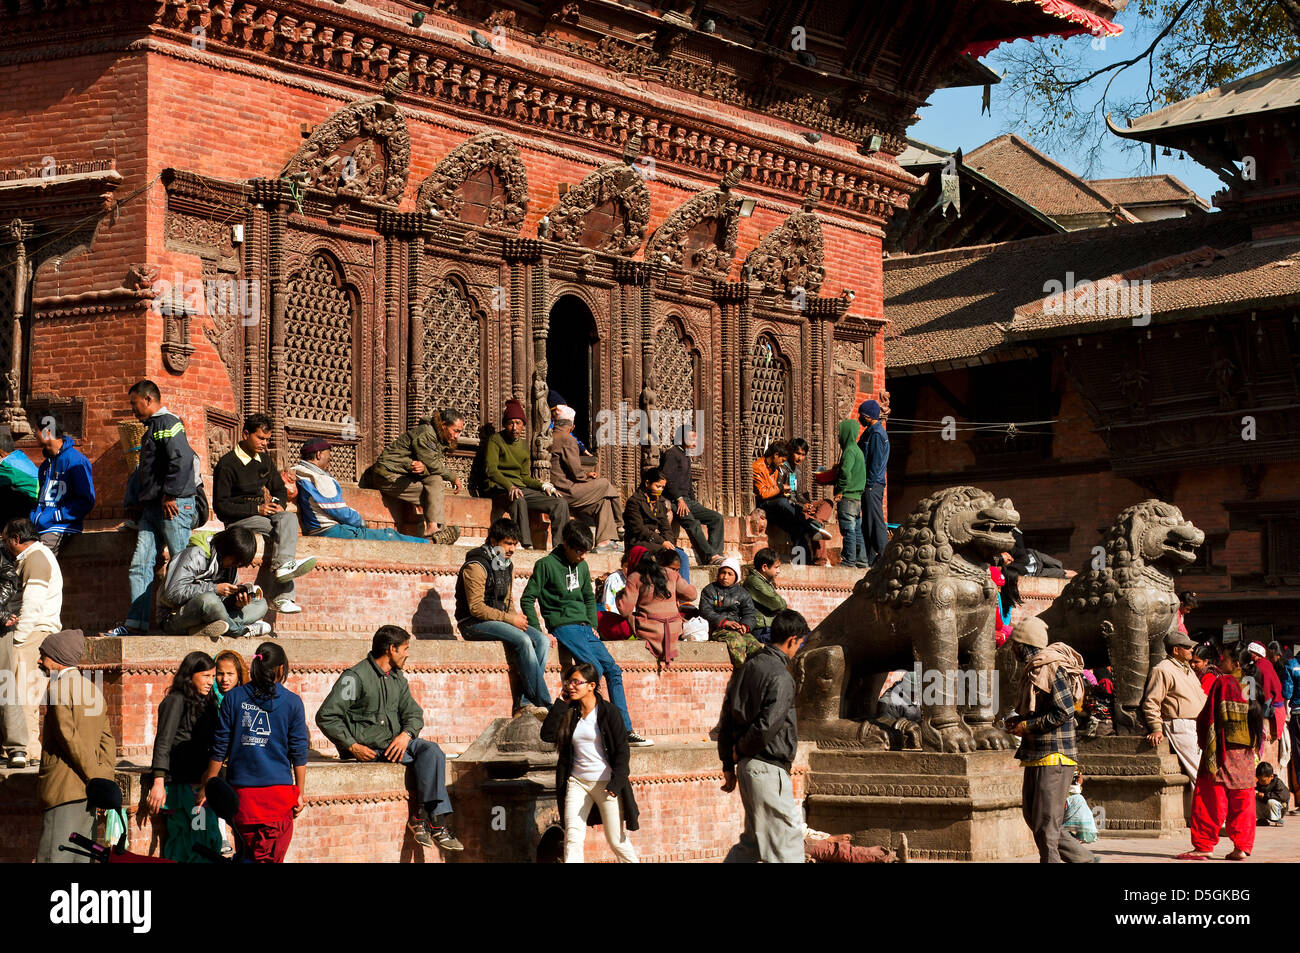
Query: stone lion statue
928	600
1120	609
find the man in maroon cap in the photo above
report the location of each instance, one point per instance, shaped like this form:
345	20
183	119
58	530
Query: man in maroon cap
511	482
321	506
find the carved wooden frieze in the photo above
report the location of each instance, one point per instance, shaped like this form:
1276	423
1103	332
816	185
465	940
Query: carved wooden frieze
482	182
608	211
791	255
700	235
362	151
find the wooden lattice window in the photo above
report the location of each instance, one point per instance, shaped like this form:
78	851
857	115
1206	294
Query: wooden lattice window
452	358
769	408
675	368
318	335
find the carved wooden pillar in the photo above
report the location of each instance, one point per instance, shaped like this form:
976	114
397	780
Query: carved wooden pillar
634	300
741	484
649	398
389	347
13	413
727	426
415	287
277	205
521	255
539	304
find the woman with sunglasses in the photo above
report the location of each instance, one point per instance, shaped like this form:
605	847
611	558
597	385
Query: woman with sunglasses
591	775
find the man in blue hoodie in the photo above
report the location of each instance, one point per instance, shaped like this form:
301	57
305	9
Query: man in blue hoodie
875	448
67	486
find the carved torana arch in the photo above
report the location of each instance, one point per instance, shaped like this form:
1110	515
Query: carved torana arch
791	255
608	211
700	235
363	150
481	182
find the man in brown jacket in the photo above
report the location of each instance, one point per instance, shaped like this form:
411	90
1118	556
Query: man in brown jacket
1171	702
413	469
77	745
589	494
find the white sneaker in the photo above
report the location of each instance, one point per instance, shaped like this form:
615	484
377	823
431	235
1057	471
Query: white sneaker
295	568
823	533
287	607
257	630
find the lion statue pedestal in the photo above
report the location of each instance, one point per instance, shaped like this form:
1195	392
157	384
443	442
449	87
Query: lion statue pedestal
1133	789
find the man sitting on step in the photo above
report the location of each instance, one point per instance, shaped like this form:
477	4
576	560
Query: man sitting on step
413	469
511	482
370	715
248	491
202	594
321	505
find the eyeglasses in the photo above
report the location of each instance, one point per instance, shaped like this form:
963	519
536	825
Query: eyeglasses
578	682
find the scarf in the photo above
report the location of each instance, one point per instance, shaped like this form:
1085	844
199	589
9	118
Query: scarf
1223	722
1040	673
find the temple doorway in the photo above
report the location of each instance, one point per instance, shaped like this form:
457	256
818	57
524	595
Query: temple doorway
572	361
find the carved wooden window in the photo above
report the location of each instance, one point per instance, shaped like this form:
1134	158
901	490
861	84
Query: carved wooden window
8	267
319	318
675	367
452	354
769	407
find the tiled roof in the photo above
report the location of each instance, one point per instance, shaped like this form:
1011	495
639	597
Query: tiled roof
1147	190
1042	182
948	306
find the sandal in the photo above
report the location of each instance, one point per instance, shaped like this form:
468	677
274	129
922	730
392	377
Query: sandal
1237	854
1192	855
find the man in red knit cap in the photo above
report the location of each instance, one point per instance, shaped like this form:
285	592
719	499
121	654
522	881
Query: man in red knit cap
510	480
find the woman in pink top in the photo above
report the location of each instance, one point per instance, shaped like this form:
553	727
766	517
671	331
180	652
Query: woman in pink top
650	600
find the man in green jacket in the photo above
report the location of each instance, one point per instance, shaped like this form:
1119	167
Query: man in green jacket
413	469
511	483
761	586
850	481
561	582
370	715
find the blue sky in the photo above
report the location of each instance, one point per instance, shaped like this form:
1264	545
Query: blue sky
953	120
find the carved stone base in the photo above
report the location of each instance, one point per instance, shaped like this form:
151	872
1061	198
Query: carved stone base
1142	790
951	806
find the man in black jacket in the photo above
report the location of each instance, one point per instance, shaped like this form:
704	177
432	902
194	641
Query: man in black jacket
757	742
248	491
167	494
688	512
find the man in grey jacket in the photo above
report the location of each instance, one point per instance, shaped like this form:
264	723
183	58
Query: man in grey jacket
202	594
757	742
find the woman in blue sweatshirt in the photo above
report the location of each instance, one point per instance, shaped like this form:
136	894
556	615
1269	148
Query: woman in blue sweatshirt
261	737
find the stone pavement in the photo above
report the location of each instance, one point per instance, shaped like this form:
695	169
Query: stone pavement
1272	845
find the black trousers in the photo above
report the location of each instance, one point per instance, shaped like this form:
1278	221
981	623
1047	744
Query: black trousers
554	506
875	534
1043	806
704	529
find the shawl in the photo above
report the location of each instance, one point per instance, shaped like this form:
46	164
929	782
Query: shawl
1040	672
1222	722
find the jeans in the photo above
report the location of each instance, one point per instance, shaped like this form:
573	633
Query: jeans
430	766
582	643
385	534
875	533
174	534
209	607
685	565
698	520
281	534
848	513
527	649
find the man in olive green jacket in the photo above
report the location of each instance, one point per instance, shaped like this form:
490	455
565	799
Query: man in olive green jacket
413	469
761	586
370	715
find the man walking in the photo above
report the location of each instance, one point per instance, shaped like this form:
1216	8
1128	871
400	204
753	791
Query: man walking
485	612
1171	702
79	747
1051	678
757	742
511	483
413	469
166	495
67	486
42	583
874	443
561	583
370	715
248	491
704	527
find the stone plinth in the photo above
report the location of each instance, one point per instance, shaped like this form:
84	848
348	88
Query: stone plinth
1142	790
950	806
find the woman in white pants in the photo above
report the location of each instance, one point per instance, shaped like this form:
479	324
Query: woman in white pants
591	774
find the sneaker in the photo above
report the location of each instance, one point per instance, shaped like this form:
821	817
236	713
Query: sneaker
295	568
287	606
538	712
608	548
419	829
444	838
18	761
1276	823
213	630
122	631
822	532
718	560
636	741
446	536
257	630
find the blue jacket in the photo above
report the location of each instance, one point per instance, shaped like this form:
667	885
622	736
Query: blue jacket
67	491
261	739
875	447
320	501
1291	682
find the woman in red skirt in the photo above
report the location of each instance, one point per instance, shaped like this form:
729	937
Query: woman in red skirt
261	737
1229	729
